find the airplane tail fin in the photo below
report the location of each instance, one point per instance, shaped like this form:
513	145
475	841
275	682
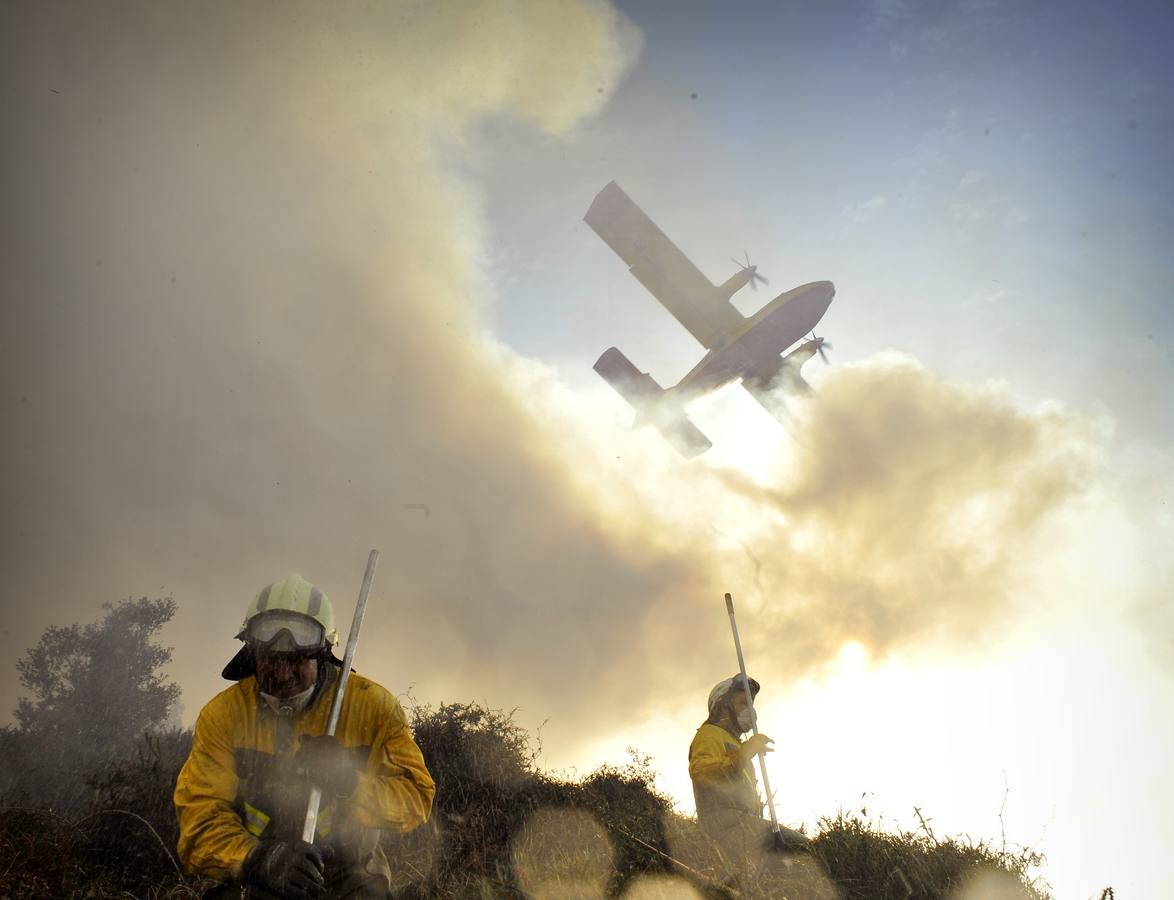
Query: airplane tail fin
648	399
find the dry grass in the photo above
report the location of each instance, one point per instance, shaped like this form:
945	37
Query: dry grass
501	829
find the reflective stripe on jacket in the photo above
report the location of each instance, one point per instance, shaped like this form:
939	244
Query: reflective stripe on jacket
724	785
238	782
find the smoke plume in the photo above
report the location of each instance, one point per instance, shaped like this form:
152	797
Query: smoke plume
244	336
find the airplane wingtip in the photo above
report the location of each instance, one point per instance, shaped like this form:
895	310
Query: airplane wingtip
596	213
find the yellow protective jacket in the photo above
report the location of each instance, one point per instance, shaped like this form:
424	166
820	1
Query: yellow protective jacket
238	782
724	785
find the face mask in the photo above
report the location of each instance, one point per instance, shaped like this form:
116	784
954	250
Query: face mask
747	719
290	706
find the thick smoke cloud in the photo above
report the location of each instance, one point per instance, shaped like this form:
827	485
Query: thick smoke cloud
242	329
243	337
913	510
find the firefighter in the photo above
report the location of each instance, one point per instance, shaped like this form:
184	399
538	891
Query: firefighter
725	789
260	745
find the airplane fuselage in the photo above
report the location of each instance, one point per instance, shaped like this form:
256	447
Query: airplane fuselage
737	347
756	346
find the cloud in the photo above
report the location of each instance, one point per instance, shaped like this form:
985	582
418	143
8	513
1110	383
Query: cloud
988	296
955	25
1016	215
977	201
246	338
246	328
910	512
869	209
887	12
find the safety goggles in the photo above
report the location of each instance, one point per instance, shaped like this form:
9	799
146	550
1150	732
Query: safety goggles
285	632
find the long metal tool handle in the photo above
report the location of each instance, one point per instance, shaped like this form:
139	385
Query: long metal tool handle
352	641
770	798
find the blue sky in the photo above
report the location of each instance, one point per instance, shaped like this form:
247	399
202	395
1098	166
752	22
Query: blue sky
987	185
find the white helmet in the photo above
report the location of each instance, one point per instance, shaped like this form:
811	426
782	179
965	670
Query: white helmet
290	614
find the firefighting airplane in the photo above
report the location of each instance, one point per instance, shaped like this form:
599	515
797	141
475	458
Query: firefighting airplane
739	347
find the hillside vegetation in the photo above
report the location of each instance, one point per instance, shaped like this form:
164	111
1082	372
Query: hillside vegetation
500	828
89	768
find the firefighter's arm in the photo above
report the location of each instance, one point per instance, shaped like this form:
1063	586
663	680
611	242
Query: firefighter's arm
396	791
754	745
713	759
212	838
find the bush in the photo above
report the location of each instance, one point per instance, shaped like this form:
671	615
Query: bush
121	844
868	864
500	829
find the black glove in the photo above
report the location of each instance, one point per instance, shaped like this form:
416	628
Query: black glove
323	761
290	869
787	840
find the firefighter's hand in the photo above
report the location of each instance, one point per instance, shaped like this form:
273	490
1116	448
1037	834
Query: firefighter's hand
292	869
329	765
755	744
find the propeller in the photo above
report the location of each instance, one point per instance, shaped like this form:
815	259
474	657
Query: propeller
821	345
754	276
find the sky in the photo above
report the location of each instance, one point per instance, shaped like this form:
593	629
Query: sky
285	283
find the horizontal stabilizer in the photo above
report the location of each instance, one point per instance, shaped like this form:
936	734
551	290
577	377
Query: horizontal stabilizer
652	407
686	438
638	388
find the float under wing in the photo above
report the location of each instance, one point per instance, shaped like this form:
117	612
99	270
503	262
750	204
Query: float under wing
661	267
770	385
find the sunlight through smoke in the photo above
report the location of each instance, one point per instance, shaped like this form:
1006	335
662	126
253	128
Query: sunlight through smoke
661	887
563	853
853	656
803	877
992	886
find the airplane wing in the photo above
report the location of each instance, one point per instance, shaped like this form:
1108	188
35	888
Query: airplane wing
662	268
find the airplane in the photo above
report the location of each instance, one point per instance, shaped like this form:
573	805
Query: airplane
739	347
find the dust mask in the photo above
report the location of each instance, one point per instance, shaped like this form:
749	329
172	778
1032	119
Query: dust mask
747	719
290	705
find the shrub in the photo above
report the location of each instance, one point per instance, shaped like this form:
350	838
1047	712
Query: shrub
501	828
869	864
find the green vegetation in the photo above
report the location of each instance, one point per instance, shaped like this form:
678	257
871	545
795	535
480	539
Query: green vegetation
501	827
94	690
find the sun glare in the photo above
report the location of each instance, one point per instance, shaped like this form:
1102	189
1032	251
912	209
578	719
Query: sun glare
745	437
852	658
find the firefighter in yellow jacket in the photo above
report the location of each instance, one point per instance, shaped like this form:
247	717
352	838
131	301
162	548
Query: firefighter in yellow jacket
260	746
724	787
